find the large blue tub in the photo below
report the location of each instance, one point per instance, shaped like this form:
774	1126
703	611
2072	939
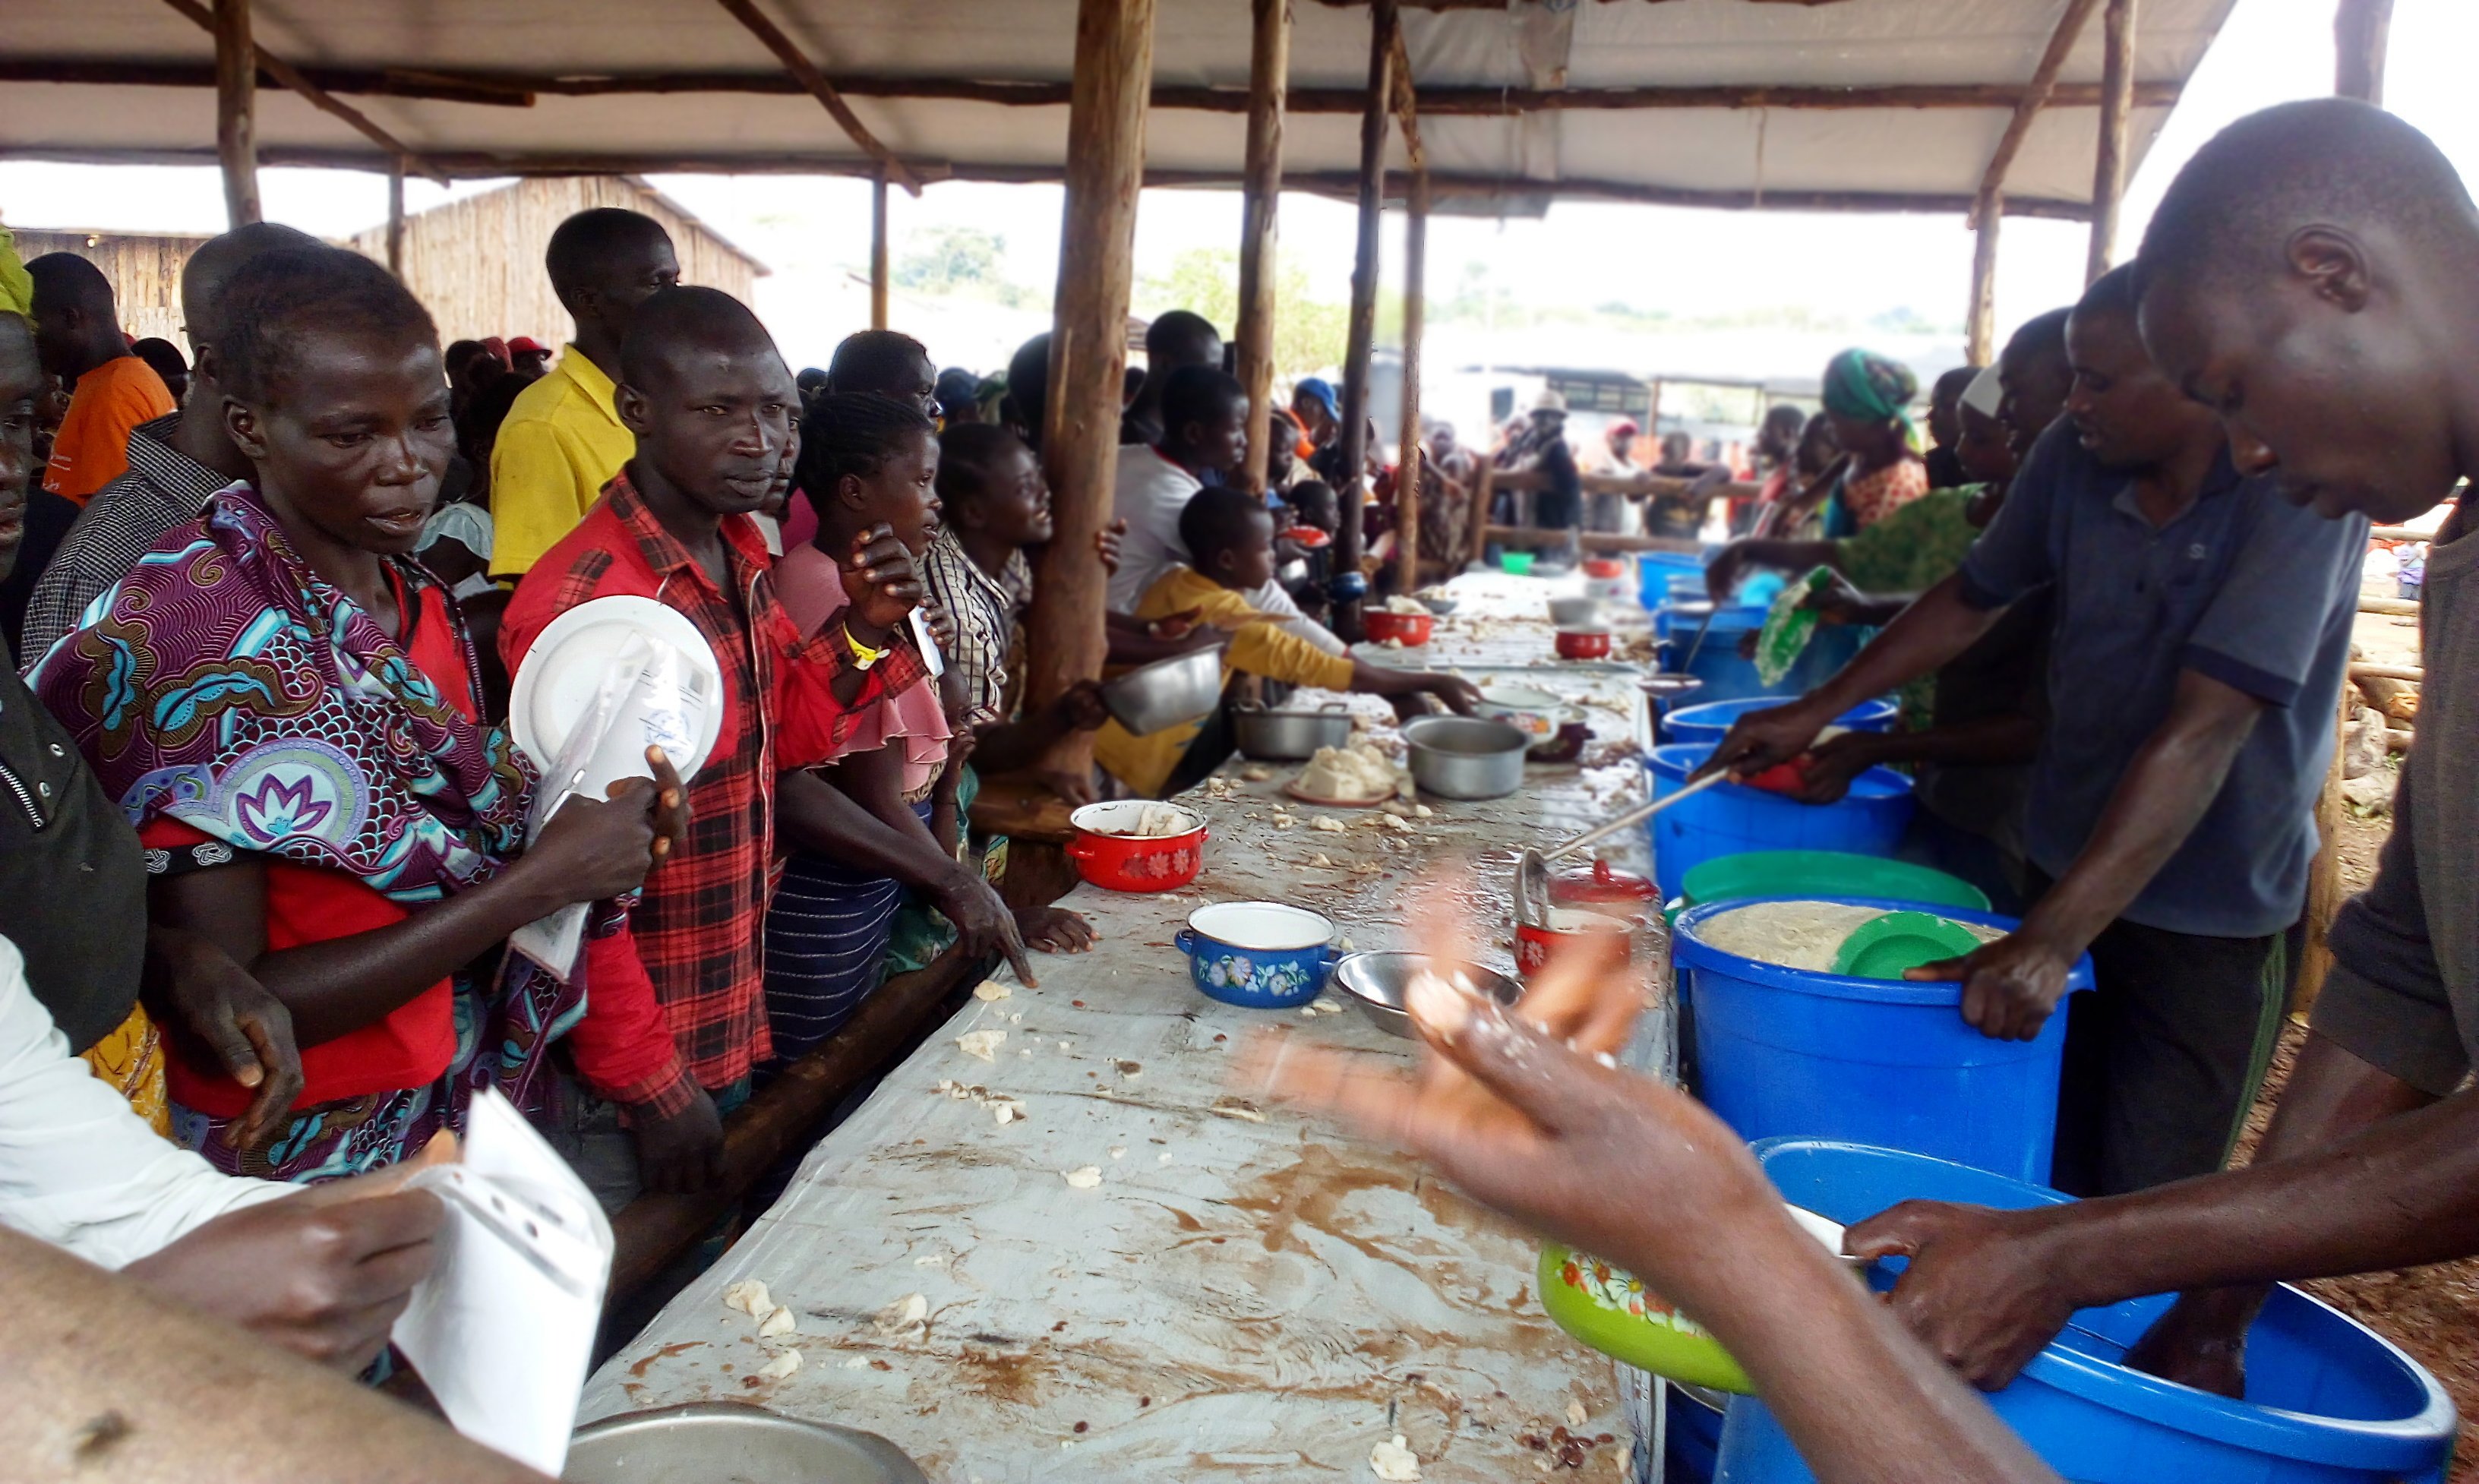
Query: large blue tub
1788	1052
2328	1401
1654	571
1709	721
1717	662
1730	818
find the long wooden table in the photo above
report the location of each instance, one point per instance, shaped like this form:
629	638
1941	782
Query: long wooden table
1241	1293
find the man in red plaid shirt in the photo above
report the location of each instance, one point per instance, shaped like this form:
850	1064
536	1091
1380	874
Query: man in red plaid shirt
713	408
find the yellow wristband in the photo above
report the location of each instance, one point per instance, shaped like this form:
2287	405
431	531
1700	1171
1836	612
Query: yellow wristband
863	654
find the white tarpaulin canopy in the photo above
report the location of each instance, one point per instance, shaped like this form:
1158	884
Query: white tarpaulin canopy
507	86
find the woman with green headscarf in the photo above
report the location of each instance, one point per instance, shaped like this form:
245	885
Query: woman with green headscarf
1868	396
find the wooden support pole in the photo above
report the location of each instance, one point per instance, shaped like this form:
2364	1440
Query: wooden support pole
2116	108
2361	31
236	109
1354	434
1981	342
1089	345
797	63
878	270
395	219
2034	97
1415	450
1270	66
289	76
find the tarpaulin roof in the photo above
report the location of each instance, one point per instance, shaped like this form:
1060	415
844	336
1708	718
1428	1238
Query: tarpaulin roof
1631	99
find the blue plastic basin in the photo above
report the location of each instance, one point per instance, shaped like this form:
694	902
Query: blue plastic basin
1655	569
2328	1401
1789	1052
1710	721
1728	676
1730	818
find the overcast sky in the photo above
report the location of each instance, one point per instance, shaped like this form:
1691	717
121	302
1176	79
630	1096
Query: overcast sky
1583	253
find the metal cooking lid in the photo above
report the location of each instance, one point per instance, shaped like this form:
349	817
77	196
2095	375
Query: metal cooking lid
1601	882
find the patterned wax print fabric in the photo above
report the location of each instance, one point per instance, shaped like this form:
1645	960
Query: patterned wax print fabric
225	685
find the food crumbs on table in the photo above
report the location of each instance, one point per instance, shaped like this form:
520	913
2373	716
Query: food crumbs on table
992	989
1081	1426
1236	1108
1575	1414
749	1296
903	1314
780	1323
981	1044
1327	822
1166	1157
781	1365
858	1363
1078	1004
1394	1462
1084	1177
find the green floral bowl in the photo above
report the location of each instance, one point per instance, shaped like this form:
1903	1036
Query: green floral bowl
1612	1311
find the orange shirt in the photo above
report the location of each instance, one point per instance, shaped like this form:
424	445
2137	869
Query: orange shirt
92	447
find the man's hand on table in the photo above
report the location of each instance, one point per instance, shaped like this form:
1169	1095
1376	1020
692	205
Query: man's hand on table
1985	1290
681	1153
2012	986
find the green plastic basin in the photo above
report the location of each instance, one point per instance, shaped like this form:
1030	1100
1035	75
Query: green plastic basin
1822	873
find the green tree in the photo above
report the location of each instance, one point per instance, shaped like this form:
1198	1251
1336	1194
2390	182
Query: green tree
957	260
1309	333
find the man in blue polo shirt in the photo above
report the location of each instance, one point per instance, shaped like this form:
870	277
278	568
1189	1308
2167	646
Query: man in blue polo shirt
2203	628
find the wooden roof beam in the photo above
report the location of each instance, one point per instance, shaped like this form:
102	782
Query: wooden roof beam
1339	183
797	63
521	91
318	97
2037	96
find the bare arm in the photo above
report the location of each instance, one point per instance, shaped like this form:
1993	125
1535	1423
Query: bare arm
2011	985
1722	573
1921	638
852	820
1989	1288
1993	741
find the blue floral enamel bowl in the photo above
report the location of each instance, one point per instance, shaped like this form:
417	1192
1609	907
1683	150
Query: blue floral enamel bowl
1260	955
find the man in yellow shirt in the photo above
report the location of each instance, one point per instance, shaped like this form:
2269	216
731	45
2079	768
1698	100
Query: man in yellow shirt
563	440
1231	536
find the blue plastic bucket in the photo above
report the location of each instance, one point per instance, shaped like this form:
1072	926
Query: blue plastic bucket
1726	676
1730	818
1655	569
2328	1401
1791	1052
1709	721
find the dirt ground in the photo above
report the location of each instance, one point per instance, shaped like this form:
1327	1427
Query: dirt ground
2433	1313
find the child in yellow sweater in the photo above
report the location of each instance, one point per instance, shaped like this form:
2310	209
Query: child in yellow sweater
1230	536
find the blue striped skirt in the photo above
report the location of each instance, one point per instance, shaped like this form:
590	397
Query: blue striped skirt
826	934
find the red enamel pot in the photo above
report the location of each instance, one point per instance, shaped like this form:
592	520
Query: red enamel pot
1110	855
1410	629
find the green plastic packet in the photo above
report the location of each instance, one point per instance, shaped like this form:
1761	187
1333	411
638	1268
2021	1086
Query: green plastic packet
1788	625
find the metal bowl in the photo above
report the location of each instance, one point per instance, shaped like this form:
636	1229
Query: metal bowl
1574	612
728	1442
1167	693
1375	982
1283	736
1466	758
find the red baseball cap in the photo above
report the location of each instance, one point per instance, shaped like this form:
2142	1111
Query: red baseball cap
524	345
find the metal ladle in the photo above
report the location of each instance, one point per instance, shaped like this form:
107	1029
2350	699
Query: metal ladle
1532	867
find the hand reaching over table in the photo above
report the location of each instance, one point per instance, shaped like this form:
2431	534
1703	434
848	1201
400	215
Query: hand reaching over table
1523	1111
